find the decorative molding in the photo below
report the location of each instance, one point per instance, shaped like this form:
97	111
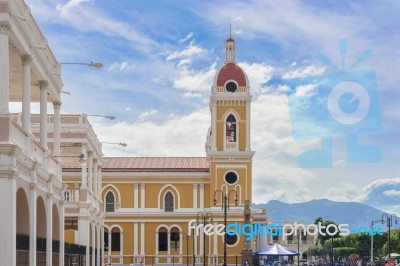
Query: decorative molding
43	84
26	59
57	104
5	27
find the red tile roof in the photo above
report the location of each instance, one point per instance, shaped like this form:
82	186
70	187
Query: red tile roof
150	164
231	71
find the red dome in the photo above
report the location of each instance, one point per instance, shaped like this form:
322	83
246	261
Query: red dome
230	40
231	71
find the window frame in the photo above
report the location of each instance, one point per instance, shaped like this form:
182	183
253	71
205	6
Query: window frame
108	204
169	203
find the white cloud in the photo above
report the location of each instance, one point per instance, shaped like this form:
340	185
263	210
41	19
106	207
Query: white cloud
84	16
147	115
121	66
258	74
195	80
304	72
187	37
392	192
176	135
306	90
189	51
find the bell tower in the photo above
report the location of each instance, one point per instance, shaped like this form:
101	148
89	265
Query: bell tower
228	140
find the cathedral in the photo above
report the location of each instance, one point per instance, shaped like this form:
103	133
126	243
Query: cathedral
149	202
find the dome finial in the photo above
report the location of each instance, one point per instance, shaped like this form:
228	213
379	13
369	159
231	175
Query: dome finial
230	30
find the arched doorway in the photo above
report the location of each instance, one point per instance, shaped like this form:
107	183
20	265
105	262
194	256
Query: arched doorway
22	228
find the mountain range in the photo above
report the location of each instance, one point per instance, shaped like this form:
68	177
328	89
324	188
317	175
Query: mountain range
353	213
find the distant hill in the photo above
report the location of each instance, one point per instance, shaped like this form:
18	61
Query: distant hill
352	213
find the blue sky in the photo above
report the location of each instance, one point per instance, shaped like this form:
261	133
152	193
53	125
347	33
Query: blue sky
160	58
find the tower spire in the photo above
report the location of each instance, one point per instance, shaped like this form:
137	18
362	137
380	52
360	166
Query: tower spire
230	46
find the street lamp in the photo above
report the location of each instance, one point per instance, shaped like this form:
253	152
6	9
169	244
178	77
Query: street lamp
389	222
225	207
372	242
204	217
123	144
91	64
111	117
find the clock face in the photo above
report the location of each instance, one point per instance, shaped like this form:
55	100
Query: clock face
231	86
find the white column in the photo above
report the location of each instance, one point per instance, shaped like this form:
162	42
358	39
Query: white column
142	196
93	240
56	133
5	28
90	170
102	242
84	173
32	222
83	233
8	219
26	92
214	126
247	126
62	225
202	195
142	240
49	235
43	113
195	195
135	196
98	243
95	178
135	239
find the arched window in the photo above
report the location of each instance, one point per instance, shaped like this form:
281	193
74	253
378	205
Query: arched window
115	239
163	239
110	202
231	129
169	202
174	239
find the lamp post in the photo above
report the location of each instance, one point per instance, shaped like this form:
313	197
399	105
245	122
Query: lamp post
123	144
332	251
194	257
225	207
389	221
204	217
91	64
111	117
372	242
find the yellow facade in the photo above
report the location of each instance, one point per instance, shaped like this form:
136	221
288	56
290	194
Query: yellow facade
149	202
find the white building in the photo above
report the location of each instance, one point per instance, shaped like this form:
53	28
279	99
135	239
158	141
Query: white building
31	194
36	205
